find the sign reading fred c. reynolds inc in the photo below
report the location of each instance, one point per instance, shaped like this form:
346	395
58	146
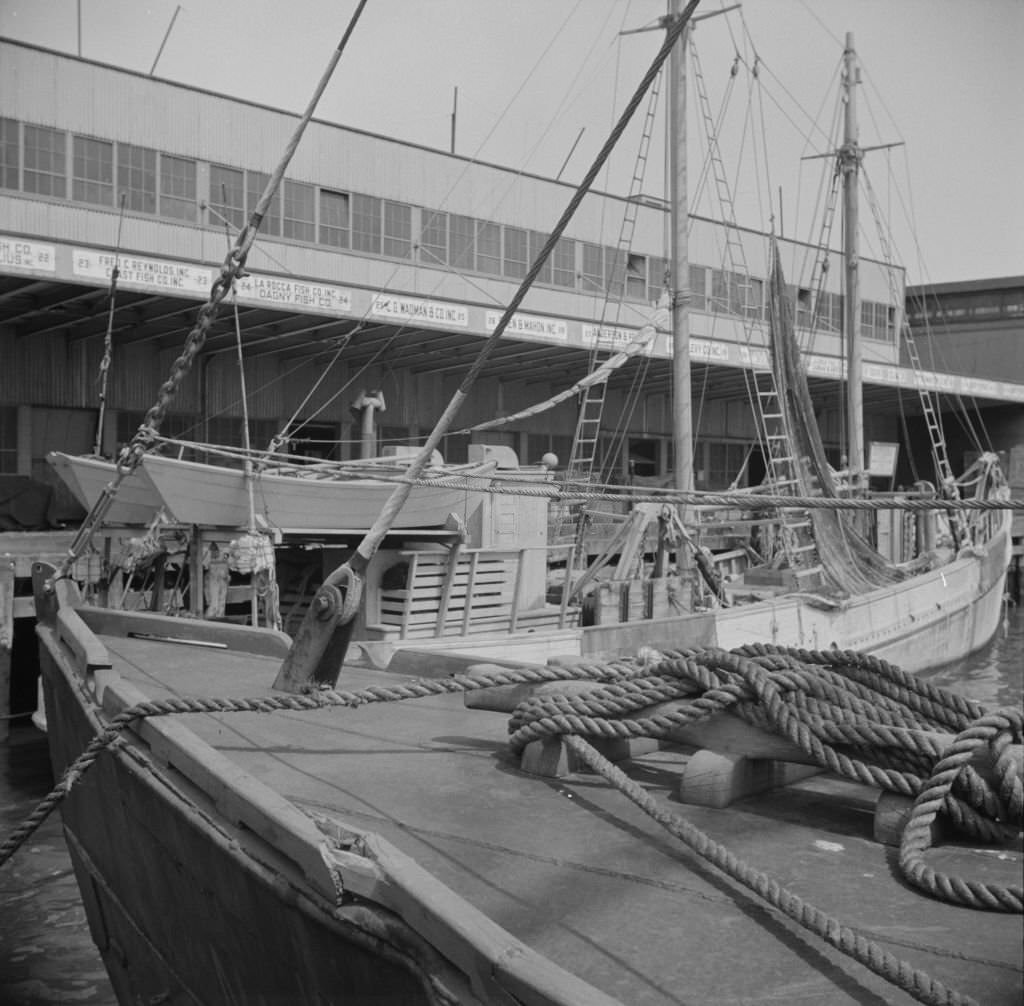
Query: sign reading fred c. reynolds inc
147	273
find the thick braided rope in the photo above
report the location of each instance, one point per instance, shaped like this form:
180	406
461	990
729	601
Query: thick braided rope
996	731
884	749
918	984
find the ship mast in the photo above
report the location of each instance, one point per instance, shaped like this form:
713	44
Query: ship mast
682	431
850	155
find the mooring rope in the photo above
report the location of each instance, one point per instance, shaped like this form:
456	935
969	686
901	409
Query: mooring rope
841	708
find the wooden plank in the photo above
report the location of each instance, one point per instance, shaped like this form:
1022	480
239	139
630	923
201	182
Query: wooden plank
267	642
716	779
446	591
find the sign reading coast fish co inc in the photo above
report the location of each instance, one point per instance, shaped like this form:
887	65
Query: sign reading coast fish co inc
147	273
18	254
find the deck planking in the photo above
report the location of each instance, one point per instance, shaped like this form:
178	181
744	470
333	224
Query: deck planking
575	870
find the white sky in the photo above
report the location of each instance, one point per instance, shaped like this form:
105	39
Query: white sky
942	76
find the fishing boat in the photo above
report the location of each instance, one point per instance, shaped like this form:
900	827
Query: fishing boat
87	476
256	818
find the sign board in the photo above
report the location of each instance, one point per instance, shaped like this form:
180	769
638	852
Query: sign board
882	459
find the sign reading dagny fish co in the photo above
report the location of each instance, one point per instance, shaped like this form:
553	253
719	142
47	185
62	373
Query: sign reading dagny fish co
147	273
18	254
295	293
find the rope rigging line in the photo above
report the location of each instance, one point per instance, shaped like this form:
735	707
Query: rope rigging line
108	338
841	707
231	269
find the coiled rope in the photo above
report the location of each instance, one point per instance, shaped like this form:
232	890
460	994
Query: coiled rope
840	707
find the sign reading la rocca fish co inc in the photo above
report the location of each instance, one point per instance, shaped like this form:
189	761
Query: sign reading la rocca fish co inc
295	293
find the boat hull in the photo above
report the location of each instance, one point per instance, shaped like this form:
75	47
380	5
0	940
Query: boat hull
927	620
136	502
214	496
218	863
200	885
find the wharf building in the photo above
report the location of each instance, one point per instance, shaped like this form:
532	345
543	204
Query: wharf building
379	271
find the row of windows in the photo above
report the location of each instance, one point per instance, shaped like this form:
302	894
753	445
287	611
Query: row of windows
36	159
982	304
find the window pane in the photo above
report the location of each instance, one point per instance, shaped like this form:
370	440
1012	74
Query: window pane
93	171
136	177
516	252
537	242
10	154
563	263
397	238
334	225
462	234
488	247
45	167
227	196
255	183
698	289
366	224
636	277
298	211
434	237
177	187
593	268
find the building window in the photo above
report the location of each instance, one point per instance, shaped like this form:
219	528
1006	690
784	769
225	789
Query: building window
298	211
255	183
876	321
334	223
45	162
92	172
461	235
434	237
488	248
754	296
366	234
563	263
698	286
397	237
636	277
615	272
227	196
516	252
177	188
537	242
10	154
136	177
593	268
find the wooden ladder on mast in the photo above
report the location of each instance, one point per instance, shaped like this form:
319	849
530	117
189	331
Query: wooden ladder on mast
584	452
797	536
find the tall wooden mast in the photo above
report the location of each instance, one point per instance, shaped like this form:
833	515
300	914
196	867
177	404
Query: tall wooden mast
682	431
849	164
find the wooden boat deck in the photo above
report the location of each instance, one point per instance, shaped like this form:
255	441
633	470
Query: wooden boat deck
577	872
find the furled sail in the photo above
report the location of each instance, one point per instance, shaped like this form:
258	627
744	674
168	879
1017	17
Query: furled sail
641	344
849	562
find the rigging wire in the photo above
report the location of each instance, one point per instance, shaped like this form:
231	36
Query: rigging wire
108	338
